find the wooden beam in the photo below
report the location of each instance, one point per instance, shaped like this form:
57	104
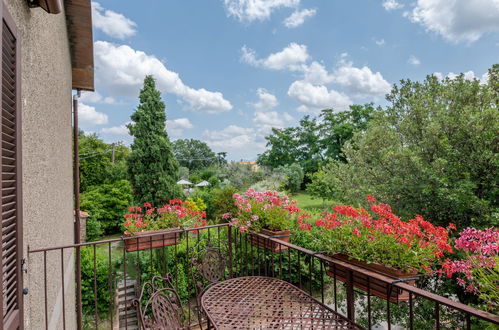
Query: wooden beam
79	23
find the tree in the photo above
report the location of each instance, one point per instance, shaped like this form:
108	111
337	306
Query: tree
152	167
194	154
293	176
433	151
316	139
94	160
96	166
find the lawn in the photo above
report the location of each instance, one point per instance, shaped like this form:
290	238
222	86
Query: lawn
309	203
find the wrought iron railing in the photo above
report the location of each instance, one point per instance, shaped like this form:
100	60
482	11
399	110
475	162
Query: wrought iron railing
107	267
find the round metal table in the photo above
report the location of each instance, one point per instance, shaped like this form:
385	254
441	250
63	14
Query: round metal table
255	302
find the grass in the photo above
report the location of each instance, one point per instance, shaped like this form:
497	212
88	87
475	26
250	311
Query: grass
309	203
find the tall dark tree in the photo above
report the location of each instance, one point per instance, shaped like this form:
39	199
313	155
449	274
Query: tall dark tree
152	167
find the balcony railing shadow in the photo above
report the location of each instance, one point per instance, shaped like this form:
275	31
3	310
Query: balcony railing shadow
112	277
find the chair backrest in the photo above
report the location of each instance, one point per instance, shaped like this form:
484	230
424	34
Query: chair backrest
209	263
208	266
159	305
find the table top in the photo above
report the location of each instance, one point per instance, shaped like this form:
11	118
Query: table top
256	302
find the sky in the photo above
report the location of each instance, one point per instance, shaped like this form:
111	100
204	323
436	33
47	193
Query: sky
230	70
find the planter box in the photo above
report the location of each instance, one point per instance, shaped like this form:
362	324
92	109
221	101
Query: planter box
140	241
283	235
376	287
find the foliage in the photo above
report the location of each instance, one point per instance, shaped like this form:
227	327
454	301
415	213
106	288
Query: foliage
152	167
315	139
479	270
273	181
196	204
433	150
193	154
241	176
257	210
87	281
221	202
95	161
325	183
209	174
93	229
293	175
105	204
381	238
183	172
177	213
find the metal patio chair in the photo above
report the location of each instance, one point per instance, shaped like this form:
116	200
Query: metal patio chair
208	266
159	306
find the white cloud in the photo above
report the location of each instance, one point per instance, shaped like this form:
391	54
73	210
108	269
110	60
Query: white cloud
88	116
234	139
266	120
294	57
316	73
314	98
298	17
263	118
176	127
361	82
468	75
111	23
289	58
392	5
95	97
457	20
250	10
380	42
413	60
121	70
116	130
266	100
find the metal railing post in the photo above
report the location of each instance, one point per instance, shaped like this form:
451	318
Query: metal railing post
350	297
229	239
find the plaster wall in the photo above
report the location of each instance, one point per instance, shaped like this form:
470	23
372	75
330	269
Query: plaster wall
46	163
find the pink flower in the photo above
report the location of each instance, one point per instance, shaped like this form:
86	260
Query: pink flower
243	229
226	215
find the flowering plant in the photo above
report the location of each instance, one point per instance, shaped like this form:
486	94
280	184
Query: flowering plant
479	270
257	210
177	213
382	238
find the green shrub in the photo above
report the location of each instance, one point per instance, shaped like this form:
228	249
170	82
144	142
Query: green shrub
221	202
107	203
102	275
94	229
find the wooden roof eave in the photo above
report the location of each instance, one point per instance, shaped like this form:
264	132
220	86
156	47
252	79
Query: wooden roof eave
79	25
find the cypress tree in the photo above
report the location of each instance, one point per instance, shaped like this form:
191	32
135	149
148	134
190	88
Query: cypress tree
152	167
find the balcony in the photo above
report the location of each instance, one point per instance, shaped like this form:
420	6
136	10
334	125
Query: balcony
108	278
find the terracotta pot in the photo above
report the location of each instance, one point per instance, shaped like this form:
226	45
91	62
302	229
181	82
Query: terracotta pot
144	240
376	287
282	235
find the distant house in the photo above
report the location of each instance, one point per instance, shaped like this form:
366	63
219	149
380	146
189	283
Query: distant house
254	166
44	56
